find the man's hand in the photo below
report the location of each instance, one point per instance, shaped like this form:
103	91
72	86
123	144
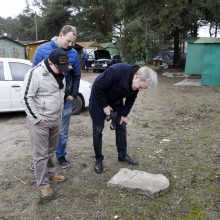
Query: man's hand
124	120
71	98
107	110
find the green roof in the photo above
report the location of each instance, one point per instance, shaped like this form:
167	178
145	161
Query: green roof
204	40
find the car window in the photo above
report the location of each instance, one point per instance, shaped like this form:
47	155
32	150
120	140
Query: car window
1	72
18	70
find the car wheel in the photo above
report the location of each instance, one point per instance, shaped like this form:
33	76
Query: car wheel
78	105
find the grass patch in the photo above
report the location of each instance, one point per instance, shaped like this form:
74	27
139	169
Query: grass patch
5	185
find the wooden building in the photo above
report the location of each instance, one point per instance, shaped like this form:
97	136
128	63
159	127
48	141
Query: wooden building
11	48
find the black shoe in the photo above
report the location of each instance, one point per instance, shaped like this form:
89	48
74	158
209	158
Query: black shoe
98	166
63	162
127	159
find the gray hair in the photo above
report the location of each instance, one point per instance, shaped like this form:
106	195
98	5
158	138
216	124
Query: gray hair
149	75
68	28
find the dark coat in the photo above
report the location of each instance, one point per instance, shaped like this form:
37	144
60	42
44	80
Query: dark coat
110	88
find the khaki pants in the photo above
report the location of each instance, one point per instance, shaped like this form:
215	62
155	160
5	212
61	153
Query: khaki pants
44	140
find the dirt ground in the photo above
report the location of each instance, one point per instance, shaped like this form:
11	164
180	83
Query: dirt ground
173	131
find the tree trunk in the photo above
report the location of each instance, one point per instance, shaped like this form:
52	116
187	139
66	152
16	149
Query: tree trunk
216	29
210	30
176	36
195	29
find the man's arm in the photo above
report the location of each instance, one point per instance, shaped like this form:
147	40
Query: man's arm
76	75
102	84
129	102
29	90
75	86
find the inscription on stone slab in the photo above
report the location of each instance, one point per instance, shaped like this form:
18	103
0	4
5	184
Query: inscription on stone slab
152	185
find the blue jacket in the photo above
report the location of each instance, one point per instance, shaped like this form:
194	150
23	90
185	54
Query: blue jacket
110	88
73	77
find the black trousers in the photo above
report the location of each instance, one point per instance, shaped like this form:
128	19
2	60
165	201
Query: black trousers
121	139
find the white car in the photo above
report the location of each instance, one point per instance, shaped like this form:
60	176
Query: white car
12	72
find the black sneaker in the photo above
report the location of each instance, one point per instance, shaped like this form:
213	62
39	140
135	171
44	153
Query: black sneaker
63	162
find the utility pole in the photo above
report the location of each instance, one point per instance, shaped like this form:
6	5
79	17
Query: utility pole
35	22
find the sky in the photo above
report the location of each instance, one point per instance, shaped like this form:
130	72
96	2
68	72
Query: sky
11	8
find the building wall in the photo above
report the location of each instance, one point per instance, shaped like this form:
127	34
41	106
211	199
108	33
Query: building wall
11	49
203	59
194	59
211	65
30	50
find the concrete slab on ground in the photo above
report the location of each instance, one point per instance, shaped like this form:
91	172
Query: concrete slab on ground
189	82
152	185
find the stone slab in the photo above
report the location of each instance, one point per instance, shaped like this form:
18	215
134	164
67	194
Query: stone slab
152	185
189	82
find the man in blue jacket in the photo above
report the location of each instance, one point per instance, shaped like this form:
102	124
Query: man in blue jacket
65	40
115	90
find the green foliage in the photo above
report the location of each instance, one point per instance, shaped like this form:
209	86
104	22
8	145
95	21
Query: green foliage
54	21
133	46
139	27
55	14
140	30
95	19
211	15
21	27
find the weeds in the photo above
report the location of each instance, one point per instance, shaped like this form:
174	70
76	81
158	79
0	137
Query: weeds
5	185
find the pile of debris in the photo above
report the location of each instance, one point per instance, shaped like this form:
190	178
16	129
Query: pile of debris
173	74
